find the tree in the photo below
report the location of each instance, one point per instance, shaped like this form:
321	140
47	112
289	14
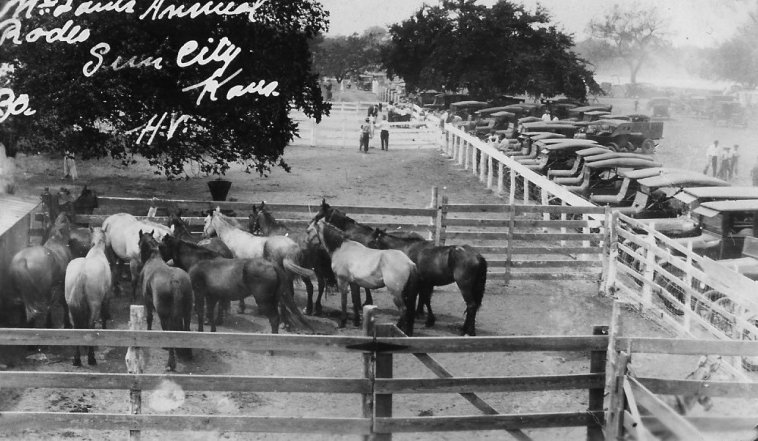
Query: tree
225	83
489	50
737	58
630	34
343	56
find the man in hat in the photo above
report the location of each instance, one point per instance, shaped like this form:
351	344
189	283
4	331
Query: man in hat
365	133
546	116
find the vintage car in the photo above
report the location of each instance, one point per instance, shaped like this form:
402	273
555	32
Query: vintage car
731	221
729	113
527	150
576	166
558	153
505	100
624	135
595	154
602	177
491	119
577	113
442	101
564	128
692	197
659	106
425	97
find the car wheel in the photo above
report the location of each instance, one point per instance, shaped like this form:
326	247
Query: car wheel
630	146
648	146
614	147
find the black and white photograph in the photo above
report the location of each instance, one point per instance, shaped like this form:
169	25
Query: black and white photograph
378	220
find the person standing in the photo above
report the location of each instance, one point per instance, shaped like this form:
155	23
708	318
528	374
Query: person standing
546	116
725	168
364	134
711	157
69	166
384	133
735	159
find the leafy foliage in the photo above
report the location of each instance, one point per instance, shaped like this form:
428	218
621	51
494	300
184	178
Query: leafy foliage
343	56
630	34
737	58
95	116
489	50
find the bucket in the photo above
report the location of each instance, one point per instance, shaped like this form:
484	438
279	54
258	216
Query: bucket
219	189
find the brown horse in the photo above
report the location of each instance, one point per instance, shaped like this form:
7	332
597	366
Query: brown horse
37	274
165	290
312	255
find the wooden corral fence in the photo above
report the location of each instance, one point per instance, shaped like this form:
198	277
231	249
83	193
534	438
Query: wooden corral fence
377	386
635	409
518	241
690	294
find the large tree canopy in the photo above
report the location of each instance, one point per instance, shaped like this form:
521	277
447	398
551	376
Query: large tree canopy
630	34
220	83
737	58
489	50
342	56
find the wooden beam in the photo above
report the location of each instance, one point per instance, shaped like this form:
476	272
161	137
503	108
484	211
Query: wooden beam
486	422
674	422
488	384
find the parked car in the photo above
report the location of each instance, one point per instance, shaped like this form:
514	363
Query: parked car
602	177
577	113
660	106
624	135
442	101
559	154
730	113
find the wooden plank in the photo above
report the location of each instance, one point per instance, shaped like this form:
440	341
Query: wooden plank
497	344
596	395
558	236
731	389
535	223
544	276
521	209
485	422
653	345
383	368
674	422
636	428
161	339
711	424
489	384
236	383
497	263
17	421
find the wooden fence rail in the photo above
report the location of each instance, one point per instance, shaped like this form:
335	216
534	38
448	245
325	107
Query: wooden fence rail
378	385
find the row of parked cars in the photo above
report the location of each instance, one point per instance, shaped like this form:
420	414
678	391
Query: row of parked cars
620	132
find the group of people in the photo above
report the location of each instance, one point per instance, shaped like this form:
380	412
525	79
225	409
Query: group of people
371	125
722	161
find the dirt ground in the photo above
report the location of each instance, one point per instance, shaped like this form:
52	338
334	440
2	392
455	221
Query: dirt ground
343	176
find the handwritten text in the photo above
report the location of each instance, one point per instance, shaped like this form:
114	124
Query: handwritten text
10	104
173	125
101	49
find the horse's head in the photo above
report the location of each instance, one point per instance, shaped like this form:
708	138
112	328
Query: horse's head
61	227
209	230
377	239
147	245
86	202
322	212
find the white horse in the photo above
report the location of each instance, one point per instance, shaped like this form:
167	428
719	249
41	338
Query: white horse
122	237
87	287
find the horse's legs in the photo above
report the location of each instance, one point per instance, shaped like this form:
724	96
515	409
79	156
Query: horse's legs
77	357
149	312
166	326
211	312
134	271
343	287
61	297
355	292
90	356
321	287
241	306
425	298
309	291
369	299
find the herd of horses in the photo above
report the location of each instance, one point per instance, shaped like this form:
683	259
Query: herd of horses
174	274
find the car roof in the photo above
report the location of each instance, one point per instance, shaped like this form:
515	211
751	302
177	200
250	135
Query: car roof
713	208
689	179
468	103
597	112
611	155
543	136
502	113
639	174
599	150
731	192
567	143
490	110
623	163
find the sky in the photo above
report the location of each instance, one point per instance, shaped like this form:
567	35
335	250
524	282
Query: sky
702	23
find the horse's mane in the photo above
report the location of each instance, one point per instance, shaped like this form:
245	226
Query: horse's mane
147	245
229	220
336	236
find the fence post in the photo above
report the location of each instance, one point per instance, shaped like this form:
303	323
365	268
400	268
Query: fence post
483	160
464	153
526	189
649	272
616	368
544	202
500	178
439	224
597	365
509	242
607	225
383	369
489	172
686	319
474	163
512	189
135	364
433	218
369	318
564	217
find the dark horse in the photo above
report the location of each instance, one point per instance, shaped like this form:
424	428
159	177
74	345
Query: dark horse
442	265
165	290
313	256
354	231
36	276
80	238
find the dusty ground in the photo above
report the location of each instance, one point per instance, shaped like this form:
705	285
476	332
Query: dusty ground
394	178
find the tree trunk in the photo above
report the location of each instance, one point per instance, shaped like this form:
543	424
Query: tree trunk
7	172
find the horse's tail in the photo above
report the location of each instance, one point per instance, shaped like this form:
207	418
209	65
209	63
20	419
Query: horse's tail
286	296
293	268
481	280
26	288
78	307
179	319
410	293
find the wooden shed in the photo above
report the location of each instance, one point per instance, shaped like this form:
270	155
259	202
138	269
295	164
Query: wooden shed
16	214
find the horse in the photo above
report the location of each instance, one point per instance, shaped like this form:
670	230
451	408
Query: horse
37	274
166	290
88	286
278	249
354	230
369	268
439	266
262	222
234	279
122	239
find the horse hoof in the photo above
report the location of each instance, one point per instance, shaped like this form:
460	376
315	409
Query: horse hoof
307	311
78	363
430	322
319	312
92	362
170	368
